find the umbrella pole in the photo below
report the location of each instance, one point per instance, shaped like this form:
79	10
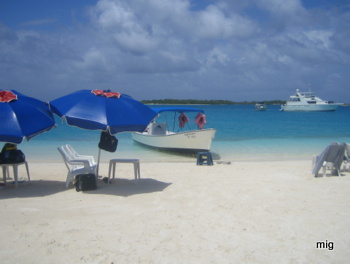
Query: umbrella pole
98	162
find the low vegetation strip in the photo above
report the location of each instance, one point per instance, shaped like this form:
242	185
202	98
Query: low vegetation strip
207	102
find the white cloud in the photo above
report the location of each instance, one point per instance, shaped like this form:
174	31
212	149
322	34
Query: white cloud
94	59
114	15
213	23
116	19
321	38
279	7
217	56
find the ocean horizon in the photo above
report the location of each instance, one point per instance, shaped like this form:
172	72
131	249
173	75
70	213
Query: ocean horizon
242	135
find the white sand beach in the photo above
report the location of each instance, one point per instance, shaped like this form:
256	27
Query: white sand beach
245	212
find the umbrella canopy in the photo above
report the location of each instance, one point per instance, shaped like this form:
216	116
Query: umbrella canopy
22	117
103	110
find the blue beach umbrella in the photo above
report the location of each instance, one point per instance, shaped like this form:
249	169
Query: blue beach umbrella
103	110
22	117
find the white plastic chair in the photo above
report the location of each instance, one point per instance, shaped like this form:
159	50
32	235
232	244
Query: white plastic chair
331	158
74	155
325	166
75	166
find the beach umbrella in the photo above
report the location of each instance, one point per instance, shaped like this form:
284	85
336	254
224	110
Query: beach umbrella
22	117
103	110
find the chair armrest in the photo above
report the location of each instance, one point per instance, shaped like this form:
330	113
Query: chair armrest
83	162
89	158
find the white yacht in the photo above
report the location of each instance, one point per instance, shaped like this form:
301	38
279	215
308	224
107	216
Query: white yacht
307	101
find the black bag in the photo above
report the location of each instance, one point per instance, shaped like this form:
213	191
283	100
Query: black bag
108	142
10	154
85	182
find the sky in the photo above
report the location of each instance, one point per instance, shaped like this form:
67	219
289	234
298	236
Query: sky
236	50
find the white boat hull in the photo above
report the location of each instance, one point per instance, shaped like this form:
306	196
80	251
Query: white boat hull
310	108
189	141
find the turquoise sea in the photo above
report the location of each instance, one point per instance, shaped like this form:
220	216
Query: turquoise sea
242	135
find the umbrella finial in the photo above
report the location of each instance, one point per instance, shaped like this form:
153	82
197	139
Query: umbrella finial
7	96
106	93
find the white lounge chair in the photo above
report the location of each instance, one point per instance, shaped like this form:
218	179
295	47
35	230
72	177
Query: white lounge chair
331	158
74	165
74	155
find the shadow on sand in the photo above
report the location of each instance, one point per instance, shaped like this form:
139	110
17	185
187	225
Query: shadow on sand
32	189
125	187
119	187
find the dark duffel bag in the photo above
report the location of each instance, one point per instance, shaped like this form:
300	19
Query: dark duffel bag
108	142
10	154
85	182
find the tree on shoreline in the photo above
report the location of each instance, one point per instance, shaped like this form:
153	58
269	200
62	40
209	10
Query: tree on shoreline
208	102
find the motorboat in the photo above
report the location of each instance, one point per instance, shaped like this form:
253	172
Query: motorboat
177	136
260	106
307	101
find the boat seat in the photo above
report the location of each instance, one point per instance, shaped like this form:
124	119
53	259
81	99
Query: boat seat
204	158
158	129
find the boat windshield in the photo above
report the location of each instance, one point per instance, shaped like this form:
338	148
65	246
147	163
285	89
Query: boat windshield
172	116
307	94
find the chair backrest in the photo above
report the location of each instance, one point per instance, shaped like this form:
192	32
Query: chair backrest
157	129
70	151
73	154
347	149
333	153
64	156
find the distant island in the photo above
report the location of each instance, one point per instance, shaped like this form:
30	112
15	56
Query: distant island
207	102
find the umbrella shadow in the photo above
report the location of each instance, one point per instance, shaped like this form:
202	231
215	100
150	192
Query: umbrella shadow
125	187
119	187
34	188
